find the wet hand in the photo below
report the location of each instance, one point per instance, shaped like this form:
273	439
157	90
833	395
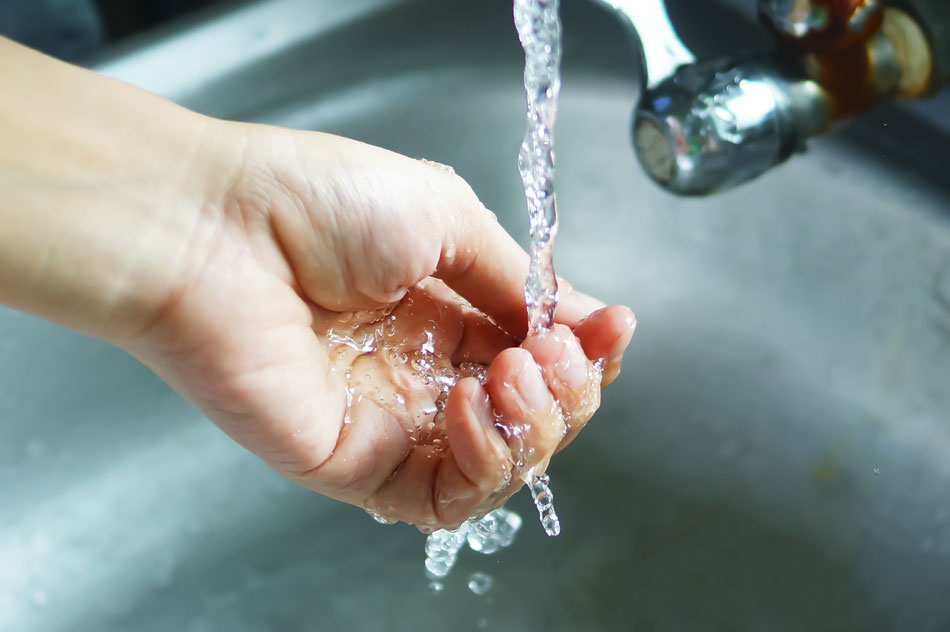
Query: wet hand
330	305
446	415
356	319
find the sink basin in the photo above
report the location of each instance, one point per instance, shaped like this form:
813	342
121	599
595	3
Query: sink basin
775	455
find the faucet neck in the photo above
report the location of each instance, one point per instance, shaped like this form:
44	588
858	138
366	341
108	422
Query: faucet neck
661	50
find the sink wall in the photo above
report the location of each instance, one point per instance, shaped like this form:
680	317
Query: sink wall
775	456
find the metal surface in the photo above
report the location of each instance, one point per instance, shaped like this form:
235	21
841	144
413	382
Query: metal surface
719	123
660	48
775	456
716	124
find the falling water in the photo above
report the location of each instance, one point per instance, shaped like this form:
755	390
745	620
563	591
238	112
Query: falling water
539	29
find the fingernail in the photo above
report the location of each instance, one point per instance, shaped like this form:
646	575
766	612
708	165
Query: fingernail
630	323
630	320
572	365
531	386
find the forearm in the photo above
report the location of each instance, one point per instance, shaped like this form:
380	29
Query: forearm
104	187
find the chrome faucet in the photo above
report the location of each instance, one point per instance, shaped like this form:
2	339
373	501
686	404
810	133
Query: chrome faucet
661	51
706	126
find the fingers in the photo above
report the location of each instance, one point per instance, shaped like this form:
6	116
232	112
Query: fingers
535	400
570	375
496	434
566	360
407	495
478	463
605	335
434	487
529	416
371	445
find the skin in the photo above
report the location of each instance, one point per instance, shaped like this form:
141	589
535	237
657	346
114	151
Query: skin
242	263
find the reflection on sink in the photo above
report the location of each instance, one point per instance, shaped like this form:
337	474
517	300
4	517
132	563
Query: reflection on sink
775	456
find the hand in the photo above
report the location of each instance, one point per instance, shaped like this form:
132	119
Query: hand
337	318
354	317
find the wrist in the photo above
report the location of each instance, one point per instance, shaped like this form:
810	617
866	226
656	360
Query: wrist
107	189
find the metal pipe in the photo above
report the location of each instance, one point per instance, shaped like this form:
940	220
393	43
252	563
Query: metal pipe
661	50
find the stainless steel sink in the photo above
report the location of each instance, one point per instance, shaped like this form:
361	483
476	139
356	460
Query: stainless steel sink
775	456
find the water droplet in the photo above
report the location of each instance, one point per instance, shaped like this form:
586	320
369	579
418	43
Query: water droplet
378	517
428	347
544	502
480	583
349	392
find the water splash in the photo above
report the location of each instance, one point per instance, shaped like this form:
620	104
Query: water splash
486	535
442	548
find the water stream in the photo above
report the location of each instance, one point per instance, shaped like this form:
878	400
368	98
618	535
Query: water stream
539	29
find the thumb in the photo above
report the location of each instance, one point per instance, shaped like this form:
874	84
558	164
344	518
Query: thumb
484	264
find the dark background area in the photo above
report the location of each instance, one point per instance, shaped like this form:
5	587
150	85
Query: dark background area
122	18
73	29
